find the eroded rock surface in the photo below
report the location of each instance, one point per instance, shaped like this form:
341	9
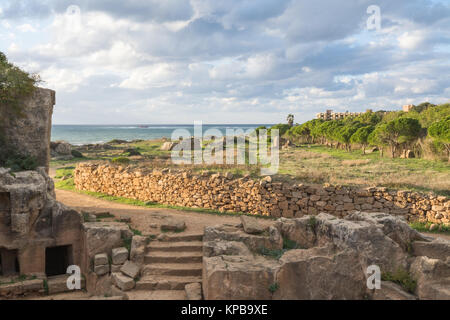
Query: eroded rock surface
324	257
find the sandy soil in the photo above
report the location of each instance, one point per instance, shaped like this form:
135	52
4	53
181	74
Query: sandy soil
146	220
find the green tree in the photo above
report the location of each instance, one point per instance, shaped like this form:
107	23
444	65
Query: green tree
397	132
361	137
440	131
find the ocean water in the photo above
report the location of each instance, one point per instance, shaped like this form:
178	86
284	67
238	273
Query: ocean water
86	134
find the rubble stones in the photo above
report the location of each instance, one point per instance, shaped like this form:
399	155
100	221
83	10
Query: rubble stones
119	255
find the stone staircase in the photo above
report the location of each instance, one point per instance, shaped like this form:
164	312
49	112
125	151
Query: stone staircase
170	264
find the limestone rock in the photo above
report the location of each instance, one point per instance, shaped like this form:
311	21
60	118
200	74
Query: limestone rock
102	237
433	278
193	291
123	282
253	242
101	259
320	273
393	227
101	269
130	269
391	291
251	225
173	225
167	146
137	252
437	249
119	255
228	248
238	278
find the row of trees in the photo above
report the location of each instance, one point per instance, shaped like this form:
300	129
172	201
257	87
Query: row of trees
424	129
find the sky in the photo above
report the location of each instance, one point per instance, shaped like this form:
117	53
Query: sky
228	61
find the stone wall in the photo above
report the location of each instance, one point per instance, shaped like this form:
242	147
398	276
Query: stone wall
224	193
30	134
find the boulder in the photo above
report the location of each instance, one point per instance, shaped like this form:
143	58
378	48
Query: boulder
437	249
394	227
173	225
102	237
227	248
101	259
123	282
101	269
130	269
433	278
168	146
193	291
254	243
238	278
119	255
251	225
320	273
62	148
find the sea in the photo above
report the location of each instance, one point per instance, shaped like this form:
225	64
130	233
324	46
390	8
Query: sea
93	134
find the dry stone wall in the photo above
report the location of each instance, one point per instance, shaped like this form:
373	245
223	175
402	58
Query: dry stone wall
224	193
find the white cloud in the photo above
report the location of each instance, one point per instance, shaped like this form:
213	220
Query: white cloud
233	61
412	40
26	28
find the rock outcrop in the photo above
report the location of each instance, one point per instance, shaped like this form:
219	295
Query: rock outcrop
29	134
324	257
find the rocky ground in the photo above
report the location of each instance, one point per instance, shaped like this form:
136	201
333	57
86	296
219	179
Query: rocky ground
324	257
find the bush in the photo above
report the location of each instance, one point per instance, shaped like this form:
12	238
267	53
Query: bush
131	152
17	162
77	154
121	160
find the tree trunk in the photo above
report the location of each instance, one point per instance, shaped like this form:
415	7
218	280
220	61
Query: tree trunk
364	149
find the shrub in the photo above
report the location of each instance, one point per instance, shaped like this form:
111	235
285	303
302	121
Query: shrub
77	154
402	278
121	160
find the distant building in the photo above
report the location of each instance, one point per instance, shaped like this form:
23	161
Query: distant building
330	115
407	107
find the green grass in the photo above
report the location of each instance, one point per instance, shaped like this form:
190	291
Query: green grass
64	172
402	278
321	164
425	227
278	253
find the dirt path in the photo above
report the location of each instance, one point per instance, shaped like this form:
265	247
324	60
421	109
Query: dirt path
146	220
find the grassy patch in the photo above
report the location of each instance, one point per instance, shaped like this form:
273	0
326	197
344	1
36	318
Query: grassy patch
278	253
320	164
64	172
402	278
136	232
425	227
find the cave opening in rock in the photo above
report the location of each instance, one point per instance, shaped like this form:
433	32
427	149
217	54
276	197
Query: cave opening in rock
57	259
5	210
9	263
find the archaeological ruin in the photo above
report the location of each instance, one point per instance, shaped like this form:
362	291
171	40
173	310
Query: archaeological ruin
317	242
